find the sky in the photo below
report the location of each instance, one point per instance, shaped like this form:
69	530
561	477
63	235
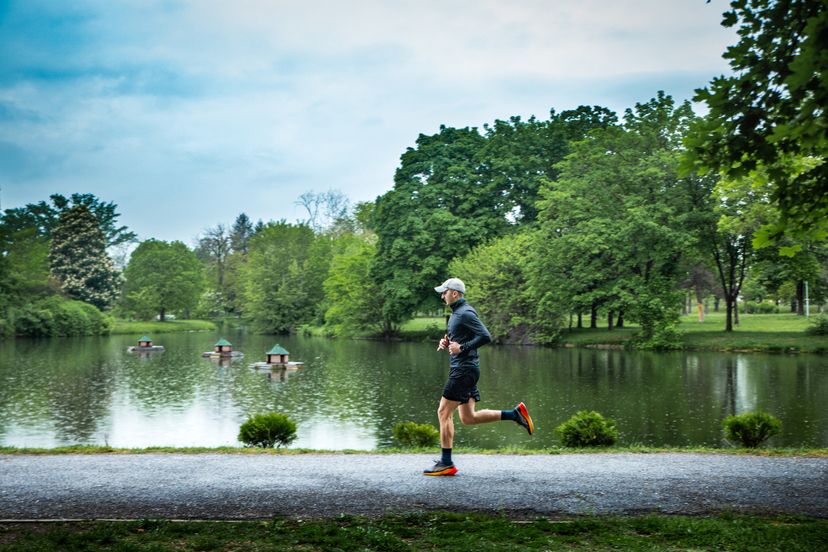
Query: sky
186	113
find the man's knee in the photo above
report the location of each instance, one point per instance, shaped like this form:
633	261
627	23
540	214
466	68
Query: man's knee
466	417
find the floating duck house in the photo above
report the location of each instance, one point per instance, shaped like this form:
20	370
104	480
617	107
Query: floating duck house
222	349
145	344
223	346
277	355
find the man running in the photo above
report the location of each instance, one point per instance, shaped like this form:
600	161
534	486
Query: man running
466	333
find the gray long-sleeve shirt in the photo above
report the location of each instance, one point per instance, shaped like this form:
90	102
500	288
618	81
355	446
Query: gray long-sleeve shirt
465	327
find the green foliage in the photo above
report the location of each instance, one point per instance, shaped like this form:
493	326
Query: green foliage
267	430
754	307
587	429
666	337
56	316
162	277
459	189
770	114
614	226
43	217
751	429
78	258
283	278
819	325
350	294
498	282
411	434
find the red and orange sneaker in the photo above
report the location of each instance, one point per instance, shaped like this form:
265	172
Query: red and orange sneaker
524	419
441	469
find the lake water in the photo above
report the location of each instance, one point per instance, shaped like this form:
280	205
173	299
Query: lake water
65	391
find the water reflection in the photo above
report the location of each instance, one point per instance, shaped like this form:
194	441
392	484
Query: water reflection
350	393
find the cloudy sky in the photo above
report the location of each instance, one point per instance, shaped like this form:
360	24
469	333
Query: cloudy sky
186	113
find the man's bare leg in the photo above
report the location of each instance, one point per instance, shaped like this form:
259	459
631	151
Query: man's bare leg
469	416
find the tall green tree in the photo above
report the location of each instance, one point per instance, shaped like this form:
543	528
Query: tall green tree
351	297
498	281
44	217
613	226
438	209
240	234
78	259
162	278
283	277
771	112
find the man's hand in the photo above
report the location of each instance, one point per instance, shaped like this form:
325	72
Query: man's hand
454	348
443	343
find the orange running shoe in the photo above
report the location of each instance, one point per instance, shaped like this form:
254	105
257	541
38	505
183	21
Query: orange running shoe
524	419
441	469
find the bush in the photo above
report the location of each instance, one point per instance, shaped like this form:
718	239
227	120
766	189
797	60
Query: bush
664	338
751	429
753	307
587	429
819	326
56	316
409	434
267	430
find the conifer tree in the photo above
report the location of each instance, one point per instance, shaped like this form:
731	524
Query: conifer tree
78	258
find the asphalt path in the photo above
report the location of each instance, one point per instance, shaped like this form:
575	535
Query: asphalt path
241	486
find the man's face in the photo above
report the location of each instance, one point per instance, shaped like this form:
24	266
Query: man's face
449	296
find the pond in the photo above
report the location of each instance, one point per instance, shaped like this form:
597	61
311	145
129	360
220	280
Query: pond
66	391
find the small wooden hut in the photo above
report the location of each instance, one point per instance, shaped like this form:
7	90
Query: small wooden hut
223	347
277	355
145	341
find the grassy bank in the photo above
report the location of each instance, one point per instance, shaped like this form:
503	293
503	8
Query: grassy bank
94	449
430	531
155	327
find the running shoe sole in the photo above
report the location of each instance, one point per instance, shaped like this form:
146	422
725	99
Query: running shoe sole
530	426
448	471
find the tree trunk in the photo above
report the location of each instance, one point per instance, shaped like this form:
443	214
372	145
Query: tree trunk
610	316
161	315
800	298
736	312
593	316
619	323
729	319
580	319
715	304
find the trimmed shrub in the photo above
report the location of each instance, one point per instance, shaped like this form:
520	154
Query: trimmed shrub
409	434
56	316
267	430
751	429
819	326
587	429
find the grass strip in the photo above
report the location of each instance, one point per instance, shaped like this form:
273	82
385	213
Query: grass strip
95	449
429	531
155	327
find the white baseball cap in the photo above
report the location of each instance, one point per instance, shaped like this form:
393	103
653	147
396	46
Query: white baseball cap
452	283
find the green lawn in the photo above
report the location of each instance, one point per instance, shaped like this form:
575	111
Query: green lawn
430	531
155	327
755	332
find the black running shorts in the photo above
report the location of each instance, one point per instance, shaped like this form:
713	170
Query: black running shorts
462	385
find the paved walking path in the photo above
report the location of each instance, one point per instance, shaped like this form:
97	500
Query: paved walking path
239	486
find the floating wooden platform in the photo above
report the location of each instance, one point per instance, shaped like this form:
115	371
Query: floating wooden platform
213	354
137	349
277	365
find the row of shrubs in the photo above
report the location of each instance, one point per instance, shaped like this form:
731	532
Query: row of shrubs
54	317
584	429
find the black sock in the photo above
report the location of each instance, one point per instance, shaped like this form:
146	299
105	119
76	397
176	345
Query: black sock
508	415
446	459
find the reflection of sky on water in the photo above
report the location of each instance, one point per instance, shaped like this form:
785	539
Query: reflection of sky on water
351	393
334	435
